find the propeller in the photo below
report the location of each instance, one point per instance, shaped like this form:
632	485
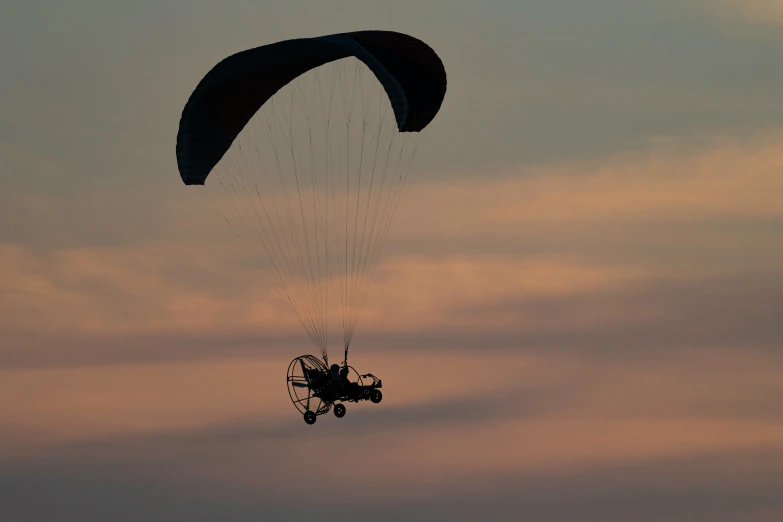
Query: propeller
304	371
307	378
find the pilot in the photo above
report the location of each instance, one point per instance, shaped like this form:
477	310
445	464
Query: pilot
334	371
351	388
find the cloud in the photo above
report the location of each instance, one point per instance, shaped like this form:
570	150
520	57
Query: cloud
580	339
594	444
664	183
765	12
666	242
723	489
110	400
453	396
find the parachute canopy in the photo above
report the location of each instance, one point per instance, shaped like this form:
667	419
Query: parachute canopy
304	147
232	92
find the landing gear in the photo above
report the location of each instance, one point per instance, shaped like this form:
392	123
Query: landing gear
339	411
376	396
310	417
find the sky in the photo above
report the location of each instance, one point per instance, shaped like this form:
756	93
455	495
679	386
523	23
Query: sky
576	316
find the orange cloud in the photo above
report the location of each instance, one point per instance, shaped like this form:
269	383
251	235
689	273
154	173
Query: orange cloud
767	12
146	289
55	406
504	413
127	290
191	286
725	179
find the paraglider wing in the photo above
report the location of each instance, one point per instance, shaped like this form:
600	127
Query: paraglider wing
307	145
233	91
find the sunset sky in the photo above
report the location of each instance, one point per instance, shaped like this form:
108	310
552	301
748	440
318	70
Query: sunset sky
577	316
